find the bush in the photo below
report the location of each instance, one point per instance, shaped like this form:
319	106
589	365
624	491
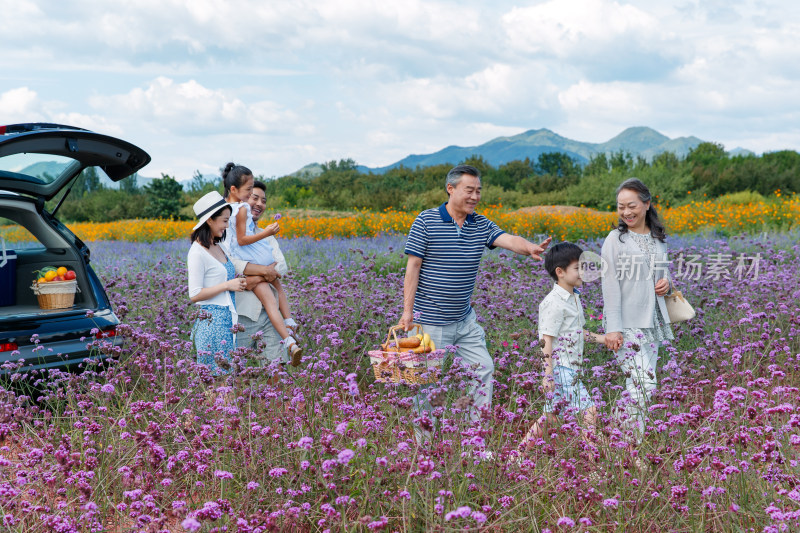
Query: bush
741	198
104	205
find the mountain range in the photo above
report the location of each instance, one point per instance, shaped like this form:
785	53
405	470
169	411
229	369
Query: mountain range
638	141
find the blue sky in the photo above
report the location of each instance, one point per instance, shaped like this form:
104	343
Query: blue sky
280	84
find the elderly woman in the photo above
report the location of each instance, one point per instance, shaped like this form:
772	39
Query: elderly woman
635	282
213	281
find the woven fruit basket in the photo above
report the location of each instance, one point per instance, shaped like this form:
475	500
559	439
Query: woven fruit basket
55	294
411	360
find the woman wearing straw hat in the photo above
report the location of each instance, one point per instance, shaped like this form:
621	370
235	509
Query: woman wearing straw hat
212	282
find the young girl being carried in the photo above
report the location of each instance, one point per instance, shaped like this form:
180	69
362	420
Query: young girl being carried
246	242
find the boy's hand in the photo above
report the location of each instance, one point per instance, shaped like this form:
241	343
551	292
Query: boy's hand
272	229
548	384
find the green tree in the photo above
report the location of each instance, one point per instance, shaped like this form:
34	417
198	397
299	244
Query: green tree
201	185
480	163
164	197
130	184
510	175
598	165
557	164
666	160
621	161
86	182
706	154
337	184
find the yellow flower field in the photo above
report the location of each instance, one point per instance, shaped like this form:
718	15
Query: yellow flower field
780	214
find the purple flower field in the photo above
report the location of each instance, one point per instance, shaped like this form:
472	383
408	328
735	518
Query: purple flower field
152	442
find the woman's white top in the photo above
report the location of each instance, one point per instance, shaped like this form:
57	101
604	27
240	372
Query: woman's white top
629	296
206	271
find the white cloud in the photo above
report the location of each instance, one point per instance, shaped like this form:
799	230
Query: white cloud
498	91
20	105
281	84
566	27
190	108
23	105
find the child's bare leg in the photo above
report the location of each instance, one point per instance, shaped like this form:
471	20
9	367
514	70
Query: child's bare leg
538	430
590	419
283	305
283	301
267	299
264	293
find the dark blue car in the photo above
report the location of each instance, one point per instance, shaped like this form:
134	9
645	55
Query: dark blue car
40	163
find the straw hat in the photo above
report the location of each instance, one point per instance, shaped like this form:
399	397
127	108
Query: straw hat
206	206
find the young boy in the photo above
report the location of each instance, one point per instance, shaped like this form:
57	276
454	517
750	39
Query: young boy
561	321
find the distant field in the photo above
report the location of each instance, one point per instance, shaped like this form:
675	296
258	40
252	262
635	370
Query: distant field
562	222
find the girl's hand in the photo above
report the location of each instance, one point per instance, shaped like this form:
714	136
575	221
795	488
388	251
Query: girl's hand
236	284
272	229
662	287
613	340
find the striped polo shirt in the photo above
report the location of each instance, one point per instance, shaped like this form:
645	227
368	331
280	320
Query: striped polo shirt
450	256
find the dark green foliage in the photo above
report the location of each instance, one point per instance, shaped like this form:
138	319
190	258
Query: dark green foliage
164	198
553	178
87	182
201	185
105	205
130	184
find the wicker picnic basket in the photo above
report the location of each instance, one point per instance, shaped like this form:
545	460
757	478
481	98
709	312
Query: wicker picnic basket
405	367
55	294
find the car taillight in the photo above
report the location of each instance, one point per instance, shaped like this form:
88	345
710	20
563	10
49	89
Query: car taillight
8	346
107	333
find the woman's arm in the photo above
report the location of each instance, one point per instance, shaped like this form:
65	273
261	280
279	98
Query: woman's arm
664	285
612	294
206	293
196	270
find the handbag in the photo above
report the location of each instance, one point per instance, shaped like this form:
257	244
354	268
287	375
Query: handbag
678	309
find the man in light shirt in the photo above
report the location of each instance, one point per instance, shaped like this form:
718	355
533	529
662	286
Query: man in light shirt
251	313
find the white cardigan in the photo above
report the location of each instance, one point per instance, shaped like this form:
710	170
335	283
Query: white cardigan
204	271
630	302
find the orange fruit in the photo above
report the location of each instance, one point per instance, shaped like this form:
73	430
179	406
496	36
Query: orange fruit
50	275
41	280
61	271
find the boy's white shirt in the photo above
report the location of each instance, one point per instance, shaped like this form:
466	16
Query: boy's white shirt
282	267
562	317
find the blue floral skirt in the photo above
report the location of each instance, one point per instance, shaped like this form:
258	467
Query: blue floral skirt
213	336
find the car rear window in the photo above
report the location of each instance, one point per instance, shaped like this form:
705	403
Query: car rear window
17	237
44	167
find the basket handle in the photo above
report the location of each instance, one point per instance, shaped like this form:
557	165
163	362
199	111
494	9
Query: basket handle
394	329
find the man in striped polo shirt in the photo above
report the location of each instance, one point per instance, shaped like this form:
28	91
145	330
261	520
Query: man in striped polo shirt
444	248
